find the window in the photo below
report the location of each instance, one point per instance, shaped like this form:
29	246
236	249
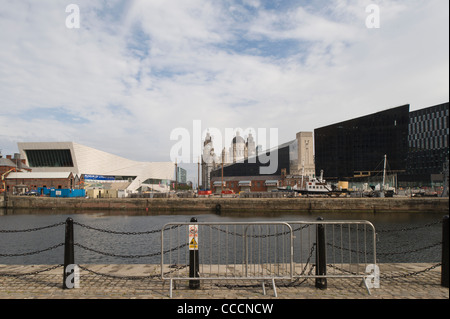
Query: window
49	158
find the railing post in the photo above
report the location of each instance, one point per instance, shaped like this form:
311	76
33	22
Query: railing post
193	255
321	253
445	253
69	255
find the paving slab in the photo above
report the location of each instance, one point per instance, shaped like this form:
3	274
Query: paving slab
398	281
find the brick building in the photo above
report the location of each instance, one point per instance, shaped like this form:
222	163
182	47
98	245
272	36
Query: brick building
8	163
239	184
21	182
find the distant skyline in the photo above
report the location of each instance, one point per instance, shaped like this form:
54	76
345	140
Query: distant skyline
136	70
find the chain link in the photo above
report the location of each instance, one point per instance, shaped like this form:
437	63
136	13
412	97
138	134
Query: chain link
30	273
410	251
387	253
175	268
122	232
409	228
414	273
297	281
178	267
258	236
33	252
30	229
130	256
294	283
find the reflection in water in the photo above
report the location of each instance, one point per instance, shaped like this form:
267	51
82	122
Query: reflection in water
401	237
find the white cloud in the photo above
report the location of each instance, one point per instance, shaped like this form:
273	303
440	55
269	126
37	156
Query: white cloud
135	70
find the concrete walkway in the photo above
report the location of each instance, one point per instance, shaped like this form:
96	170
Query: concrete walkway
398	281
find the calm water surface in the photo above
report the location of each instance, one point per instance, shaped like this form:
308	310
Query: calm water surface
396	232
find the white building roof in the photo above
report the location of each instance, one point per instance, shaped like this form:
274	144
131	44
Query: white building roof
38	175
87	160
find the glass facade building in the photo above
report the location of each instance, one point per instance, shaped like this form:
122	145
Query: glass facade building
356	147
416	145
427	142
181	175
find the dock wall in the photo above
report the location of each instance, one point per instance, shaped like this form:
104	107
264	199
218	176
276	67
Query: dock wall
217	204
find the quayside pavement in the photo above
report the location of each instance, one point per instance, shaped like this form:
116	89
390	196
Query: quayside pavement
125	281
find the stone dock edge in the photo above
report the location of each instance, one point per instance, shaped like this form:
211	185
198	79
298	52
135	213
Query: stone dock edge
218	204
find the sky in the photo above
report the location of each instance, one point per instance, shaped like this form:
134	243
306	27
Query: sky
130	73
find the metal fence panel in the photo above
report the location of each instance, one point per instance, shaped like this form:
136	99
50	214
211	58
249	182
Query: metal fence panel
260	250
350	248
268	250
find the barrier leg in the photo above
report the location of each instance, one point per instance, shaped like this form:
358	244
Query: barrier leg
274	288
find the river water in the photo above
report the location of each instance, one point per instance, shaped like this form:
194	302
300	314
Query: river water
401	237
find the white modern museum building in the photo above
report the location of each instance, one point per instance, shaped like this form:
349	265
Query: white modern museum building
95	167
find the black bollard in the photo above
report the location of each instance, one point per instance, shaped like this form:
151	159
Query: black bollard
445	252
193	256
69	252
321	253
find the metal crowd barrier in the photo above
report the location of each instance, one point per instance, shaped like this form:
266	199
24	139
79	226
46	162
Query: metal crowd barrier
269	251
234	250
264	251
338	249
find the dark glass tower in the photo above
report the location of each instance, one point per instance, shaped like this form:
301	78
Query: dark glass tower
427	143
357	146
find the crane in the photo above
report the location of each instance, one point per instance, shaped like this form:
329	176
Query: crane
3	186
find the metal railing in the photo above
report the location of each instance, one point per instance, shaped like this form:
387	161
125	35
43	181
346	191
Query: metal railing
288	251
334	249
230	250
269	251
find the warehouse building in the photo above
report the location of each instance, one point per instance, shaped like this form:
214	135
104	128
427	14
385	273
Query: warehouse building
18	183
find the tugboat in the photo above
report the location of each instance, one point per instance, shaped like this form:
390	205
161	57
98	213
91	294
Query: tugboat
315	186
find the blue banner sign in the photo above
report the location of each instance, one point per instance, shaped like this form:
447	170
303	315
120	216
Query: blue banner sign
98	177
